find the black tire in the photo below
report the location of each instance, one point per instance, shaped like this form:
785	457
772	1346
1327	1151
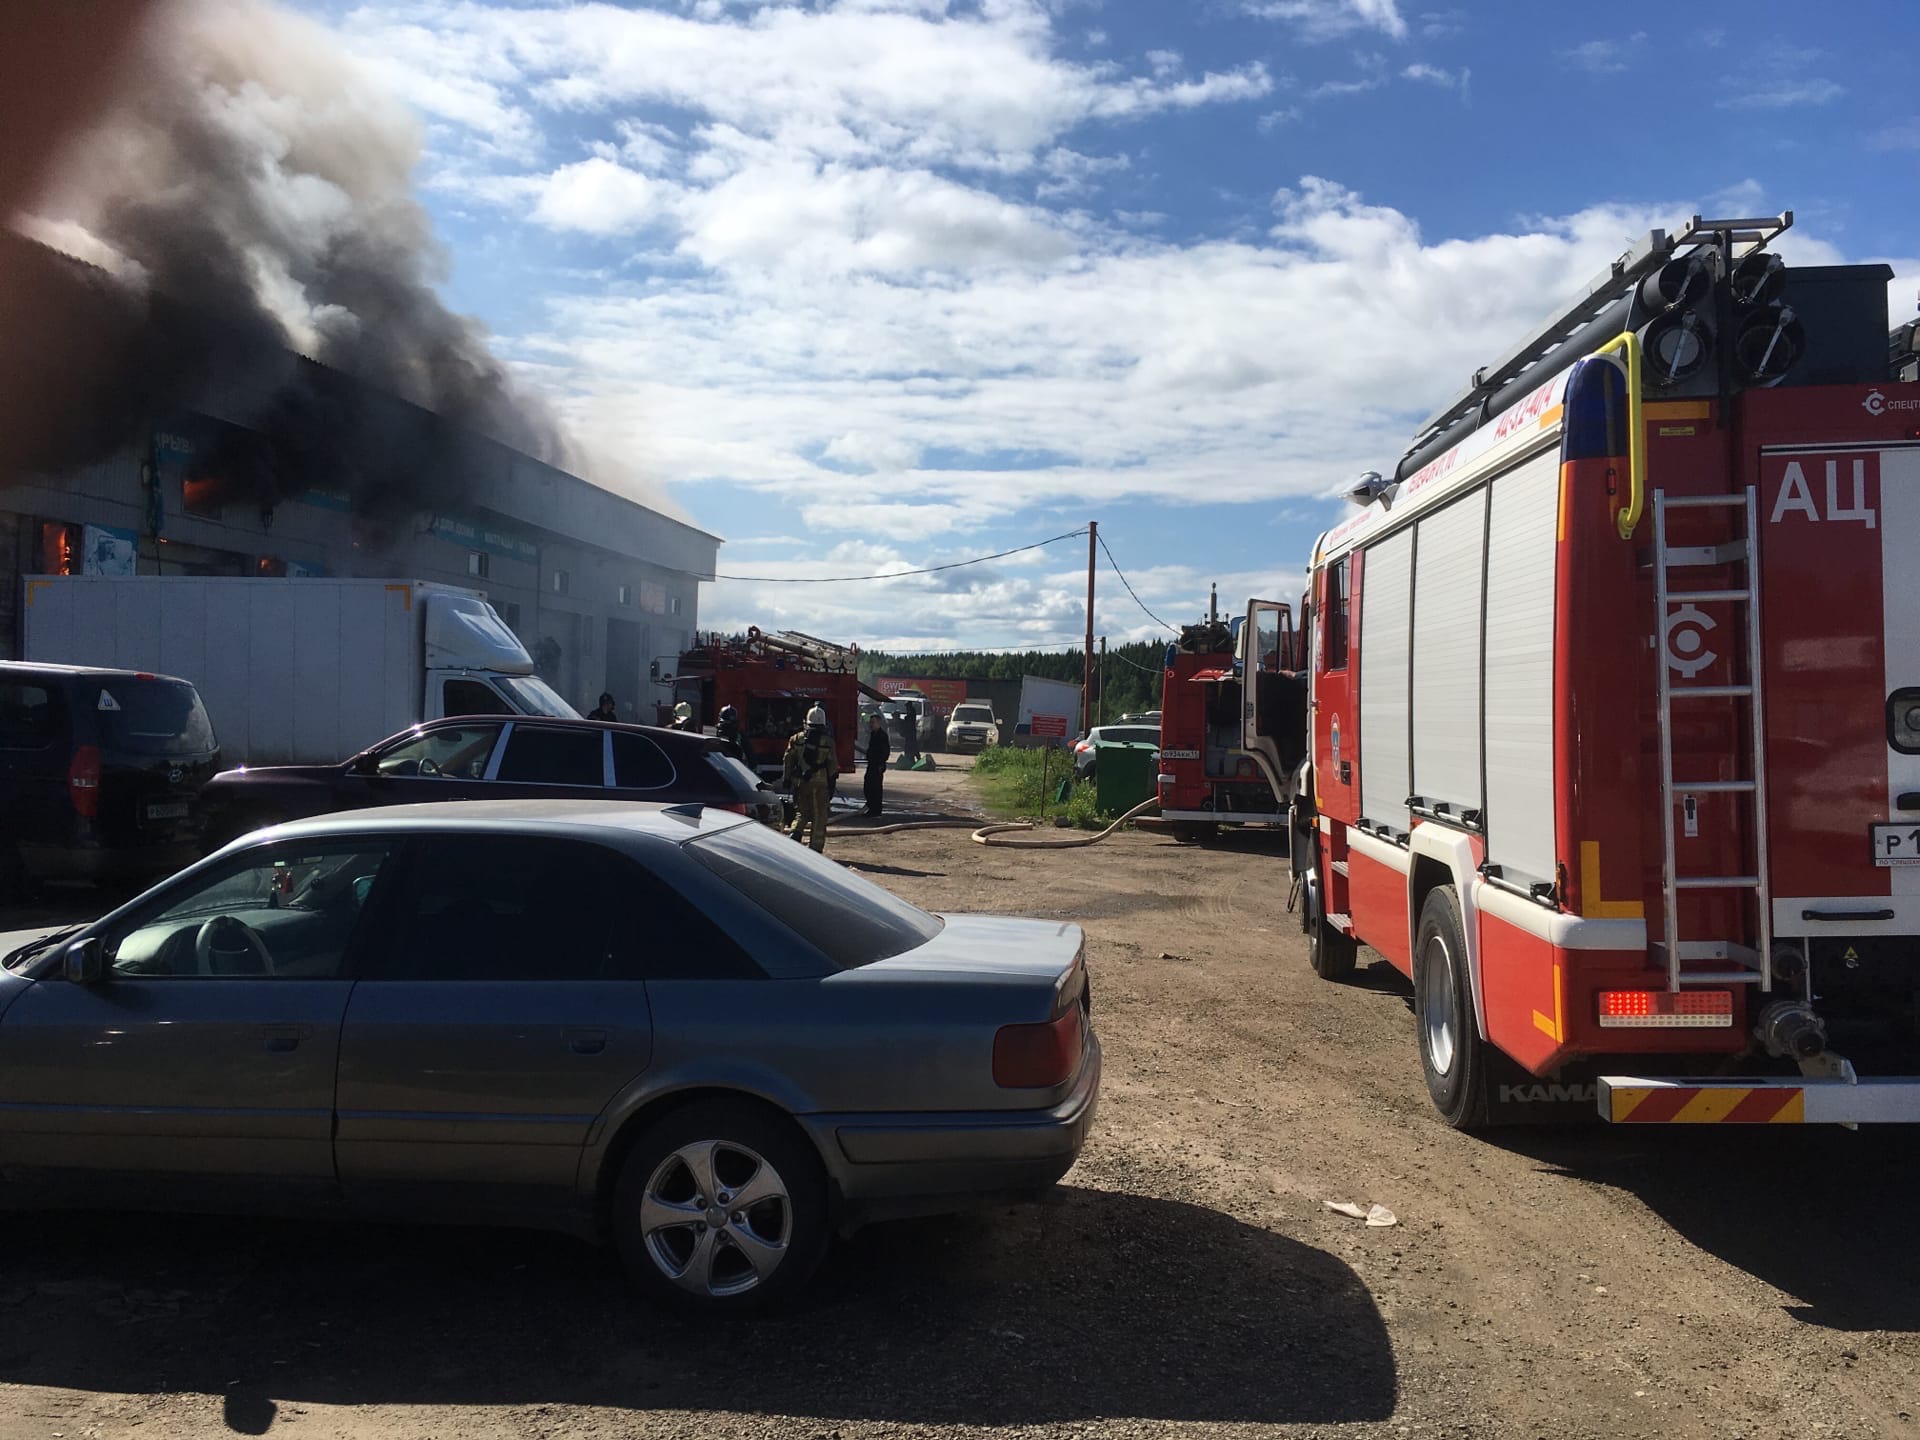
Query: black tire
1452	1055
796	1225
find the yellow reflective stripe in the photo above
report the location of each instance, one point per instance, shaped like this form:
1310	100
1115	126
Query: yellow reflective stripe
1591	904
1625	1099
1709	1106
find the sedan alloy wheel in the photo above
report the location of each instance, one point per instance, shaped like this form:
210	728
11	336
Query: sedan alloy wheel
716	1218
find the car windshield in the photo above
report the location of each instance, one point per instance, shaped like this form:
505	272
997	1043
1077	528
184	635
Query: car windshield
973	715
149	716
849	920
536	697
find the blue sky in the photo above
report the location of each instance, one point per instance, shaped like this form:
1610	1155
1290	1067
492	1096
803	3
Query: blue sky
871	284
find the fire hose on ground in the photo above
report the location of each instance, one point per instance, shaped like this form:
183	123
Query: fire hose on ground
996	834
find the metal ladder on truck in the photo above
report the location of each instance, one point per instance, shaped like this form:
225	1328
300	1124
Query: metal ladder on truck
1748	965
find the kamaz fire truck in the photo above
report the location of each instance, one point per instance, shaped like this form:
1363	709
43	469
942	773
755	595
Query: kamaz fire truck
1615	705
772	680
1232	722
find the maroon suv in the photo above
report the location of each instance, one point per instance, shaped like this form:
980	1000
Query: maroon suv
493	757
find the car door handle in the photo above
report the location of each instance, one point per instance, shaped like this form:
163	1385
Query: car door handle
586	1042
282	1039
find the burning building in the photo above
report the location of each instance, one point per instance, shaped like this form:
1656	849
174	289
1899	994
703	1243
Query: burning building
230	357
294	468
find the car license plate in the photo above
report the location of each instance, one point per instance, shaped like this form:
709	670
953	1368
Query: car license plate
168	810
1897	844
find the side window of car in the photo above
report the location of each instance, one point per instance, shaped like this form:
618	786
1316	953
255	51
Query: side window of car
639	764
26	716
470	697
507	907
457	752
283	912
544	755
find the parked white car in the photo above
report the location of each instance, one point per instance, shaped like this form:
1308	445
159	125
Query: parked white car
972	727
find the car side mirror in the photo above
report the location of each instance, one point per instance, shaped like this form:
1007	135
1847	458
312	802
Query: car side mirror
85	961
365	763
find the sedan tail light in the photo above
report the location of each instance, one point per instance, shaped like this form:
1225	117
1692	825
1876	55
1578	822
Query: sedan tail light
1037	1057
83	781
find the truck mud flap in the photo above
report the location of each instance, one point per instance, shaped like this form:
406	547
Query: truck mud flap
1515	1097
1632	1100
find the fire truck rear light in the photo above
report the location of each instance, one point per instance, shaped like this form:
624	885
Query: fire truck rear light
1666	1010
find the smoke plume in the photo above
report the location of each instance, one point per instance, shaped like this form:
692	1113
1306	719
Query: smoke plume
247	196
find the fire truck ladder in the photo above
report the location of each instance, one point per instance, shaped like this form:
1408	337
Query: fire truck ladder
1754	965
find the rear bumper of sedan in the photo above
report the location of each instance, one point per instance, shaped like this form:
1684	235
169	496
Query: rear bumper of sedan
886	1166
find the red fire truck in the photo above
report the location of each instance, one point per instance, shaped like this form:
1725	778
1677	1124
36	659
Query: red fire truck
772	680
1615	705
1225	760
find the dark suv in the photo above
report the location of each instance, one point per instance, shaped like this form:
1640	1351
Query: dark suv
100	773
494	757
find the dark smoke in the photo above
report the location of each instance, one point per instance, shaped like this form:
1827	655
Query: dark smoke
249	202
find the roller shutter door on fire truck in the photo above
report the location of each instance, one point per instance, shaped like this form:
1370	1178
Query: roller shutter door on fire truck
1523	514
1386	596
1447	566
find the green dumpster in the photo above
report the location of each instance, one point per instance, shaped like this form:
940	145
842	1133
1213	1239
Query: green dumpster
1124	774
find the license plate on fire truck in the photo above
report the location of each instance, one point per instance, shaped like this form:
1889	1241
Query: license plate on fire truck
1897	844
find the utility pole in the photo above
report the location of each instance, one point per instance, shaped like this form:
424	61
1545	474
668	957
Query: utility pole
1086	689
1103	679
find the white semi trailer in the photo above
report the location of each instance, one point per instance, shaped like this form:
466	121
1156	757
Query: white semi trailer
295	671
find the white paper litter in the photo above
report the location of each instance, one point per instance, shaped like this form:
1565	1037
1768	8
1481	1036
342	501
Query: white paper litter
1374	1215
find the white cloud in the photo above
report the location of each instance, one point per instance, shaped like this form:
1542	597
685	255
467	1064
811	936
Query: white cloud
1598	57
1460	79
1331	88
848	82
1898	137
597	196
1780	93
1330	19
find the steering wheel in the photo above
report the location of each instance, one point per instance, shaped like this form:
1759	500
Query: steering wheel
427	767
222	941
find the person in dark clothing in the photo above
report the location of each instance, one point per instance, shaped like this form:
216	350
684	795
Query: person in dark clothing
728	733
605	710
878	747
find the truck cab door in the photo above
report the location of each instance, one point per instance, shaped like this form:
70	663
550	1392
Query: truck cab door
1274	699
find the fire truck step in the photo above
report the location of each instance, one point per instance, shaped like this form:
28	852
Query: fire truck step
1712	692
1681	597
1695	502
1719	977
1339	866
1717	882
1714	787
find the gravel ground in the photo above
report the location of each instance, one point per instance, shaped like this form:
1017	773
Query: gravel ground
1185	1279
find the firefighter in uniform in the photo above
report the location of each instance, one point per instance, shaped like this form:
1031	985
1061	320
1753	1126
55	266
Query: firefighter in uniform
809	774
683	717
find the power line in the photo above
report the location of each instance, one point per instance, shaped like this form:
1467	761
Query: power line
895	574
1129	584
1148	669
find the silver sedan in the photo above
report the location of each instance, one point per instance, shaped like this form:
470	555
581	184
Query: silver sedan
668	1027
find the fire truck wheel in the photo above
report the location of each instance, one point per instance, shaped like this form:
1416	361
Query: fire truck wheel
1451	1052
1332	953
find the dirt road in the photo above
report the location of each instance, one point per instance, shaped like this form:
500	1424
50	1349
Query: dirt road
1185	1280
